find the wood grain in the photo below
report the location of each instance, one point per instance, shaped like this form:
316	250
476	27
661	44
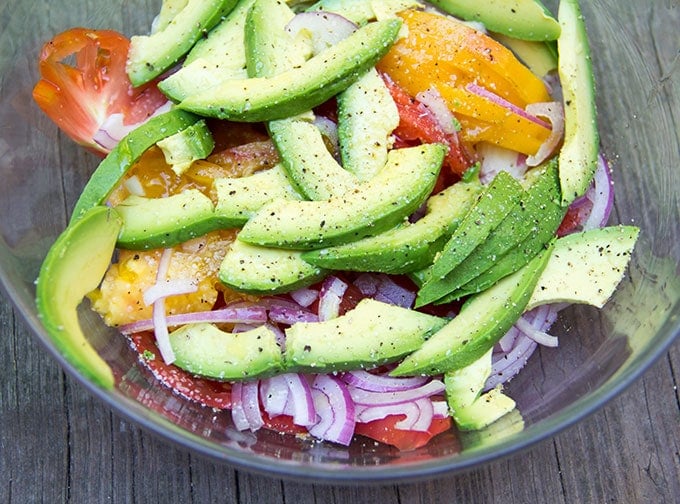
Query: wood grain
57	444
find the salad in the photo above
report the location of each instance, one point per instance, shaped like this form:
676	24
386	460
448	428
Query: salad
339	219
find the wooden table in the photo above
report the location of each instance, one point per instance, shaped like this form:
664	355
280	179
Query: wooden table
58	444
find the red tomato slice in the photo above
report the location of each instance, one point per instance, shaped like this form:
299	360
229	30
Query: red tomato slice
416	123
384	431
83	81
210	393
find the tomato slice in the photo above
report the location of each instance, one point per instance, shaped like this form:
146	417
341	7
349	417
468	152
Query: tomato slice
416	123
384	431
83	82
210	393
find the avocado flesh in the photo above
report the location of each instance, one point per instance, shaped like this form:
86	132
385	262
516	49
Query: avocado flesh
585	267
407	247
73	267
215	59
367	116
266	271
342	343
522	19
373	207
497	201
205	350
487	409
184	147
151	55
578	155
361	12
299	89
115	165
536	208
308	163
482	321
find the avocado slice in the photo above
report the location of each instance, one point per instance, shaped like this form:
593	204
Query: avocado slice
151	55
205	350
539	57
73	267
266	271
215	59
184	147
308	163
522	19
116	164
578	155
342	343
407	247
487	409
367	116
300	89
361	12
482	321
586	267
373	207
537	207
498	200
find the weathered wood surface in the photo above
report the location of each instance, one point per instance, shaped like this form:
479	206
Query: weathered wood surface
57	444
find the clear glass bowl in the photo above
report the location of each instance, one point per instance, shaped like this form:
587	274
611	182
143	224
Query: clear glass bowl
600	352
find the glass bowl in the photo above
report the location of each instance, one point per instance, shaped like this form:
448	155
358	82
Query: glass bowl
600	352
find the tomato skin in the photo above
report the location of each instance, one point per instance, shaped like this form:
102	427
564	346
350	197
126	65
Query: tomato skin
417	124
79	95
384	431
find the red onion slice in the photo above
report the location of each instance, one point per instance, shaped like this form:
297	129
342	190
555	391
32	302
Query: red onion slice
440	409
247	315
396	397
302	408
289	316
114	129
238	414
554	112
250	401
434	102
494	98
167	288
305	297
381	383
335	408
159	317
324	28
418	414
274	394
330	297
494	159
540	337
602	196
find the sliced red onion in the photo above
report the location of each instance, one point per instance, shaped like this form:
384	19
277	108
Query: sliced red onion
238	414
286	315
381	383
508	340
391	292
493	97
417	414
554	112
250	315
114	129
540	337
303	409
494	159
367	283
396	397
274	394
424	419
506	366
304	296
330	297
250	401
134	186
167	288
335	409
440	409
159	317
434	102
279	335
325	28
602	196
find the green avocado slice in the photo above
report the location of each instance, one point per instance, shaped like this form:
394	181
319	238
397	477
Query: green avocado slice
374	206
522	19
300	89
116	164
482	321
578	155
151	55
73	267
